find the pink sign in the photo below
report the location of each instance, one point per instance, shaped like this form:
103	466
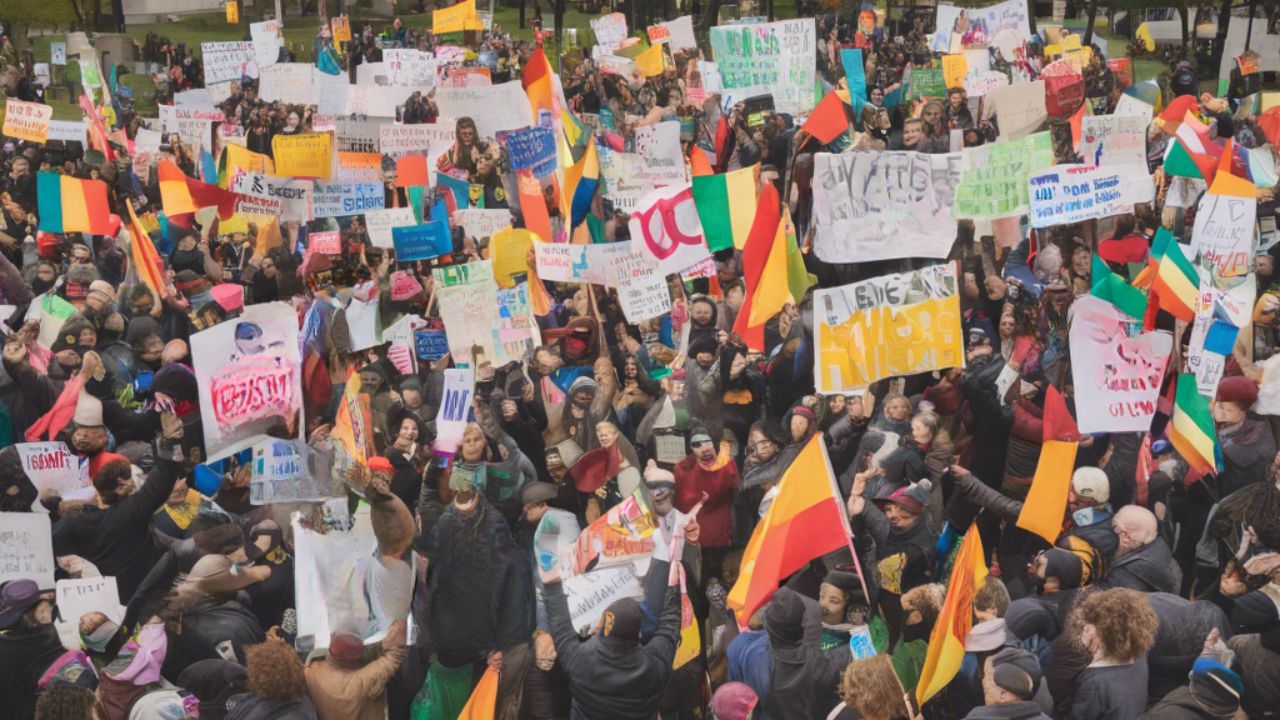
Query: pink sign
325	243
252	388
404	285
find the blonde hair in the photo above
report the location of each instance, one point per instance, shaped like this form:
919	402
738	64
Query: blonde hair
871	687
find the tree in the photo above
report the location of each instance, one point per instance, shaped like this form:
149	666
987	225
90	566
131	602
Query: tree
20	16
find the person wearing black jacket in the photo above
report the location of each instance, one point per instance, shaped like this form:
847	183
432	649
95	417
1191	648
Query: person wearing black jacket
614	675
114	533
28	644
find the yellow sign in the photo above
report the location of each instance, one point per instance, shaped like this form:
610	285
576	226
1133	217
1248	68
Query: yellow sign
237	223
308	155
239	160
233	12
954	68
27	121
456	19
341	28
651	61
510	248
899	324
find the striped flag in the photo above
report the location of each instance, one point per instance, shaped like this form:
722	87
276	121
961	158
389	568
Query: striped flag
1191	430
1176	285
946	642
1112	288
70	204
580	183
1046	502
726	206
146	261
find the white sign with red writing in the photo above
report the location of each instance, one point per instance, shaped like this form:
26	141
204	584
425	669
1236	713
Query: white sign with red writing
54	468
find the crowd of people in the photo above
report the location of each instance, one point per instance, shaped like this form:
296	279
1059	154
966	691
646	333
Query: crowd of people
667	441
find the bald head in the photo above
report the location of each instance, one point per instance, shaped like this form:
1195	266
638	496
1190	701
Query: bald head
1135	526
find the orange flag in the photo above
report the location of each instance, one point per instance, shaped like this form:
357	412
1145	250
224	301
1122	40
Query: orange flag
755	256
828	120
533	205
1046	501
484	699
946	642
698	163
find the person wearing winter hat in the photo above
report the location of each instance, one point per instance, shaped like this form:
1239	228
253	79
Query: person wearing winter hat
1010	680
276	685
213	682
28	643
708	476
1248	446
342	684
733	701
203	618
844	608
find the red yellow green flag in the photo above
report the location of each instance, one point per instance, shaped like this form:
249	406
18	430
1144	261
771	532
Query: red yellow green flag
946	643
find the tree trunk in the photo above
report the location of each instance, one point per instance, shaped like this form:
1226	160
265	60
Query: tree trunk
1092	15
522	4
559	15
1186	22
1224	22
1031	15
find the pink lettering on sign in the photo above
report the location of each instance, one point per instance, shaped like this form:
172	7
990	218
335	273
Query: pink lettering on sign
253	388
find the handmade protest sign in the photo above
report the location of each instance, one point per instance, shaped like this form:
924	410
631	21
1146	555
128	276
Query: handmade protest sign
74	131
977	84
58	53
979	26
330	575
249	376
659	146
430	344
52	467
880	205
1020	108
308	155
532	149
1065	194
356	134
289	83
225	61
455	19
294	196
1117	374
267	42
666	230
610	30
80	596
26	548
328	242
676	34
455	408
993	183
926	83
1225	228
1113	139
288	471
494	108
342	199
467	295
379	224
341	25
954	68
517	332
480	223
591	593
897	324
410	68
27	121
642	291
777	58
422	241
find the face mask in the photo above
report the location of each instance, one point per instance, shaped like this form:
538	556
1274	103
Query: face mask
98	639
1083	516
40	287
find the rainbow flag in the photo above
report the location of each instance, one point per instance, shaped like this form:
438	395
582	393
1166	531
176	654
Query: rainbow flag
946	643
1176	285
806	520
69	204
726	206
1191	430
580	183
146	261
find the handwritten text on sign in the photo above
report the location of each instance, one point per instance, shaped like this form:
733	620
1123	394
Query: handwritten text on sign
768	58
1074	193
27	120
1224	232
1117	376
253	388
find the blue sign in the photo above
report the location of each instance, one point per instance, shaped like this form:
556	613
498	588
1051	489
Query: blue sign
340	199
533	149
430	344
422	242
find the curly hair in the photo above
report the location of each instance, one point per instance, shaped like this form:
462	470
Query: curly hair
274	672
63	701
927	599
1124	623
870	687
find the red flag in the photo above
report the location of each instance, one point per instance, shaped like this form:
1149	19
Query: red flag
1143	475
722	142
828	120
64	408
1058	423
755	253
699	163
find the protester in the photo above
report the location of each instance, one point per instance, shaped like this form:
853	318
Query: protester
646	386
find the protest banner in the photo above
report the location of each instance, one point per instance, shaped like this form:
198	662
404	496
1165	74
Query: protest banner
881	205
1117	374
532	149
676	34
479	223
26	548
589	594
642	290
455	409
53	468
308	155
27	121
666	230
898	324
58	53
342	199
954	68
77	597
1225	234
494	108
331	572
517	331
979	26
659	145
410	68
925	83
455	19
249	376
561	262
610	30
267	41
226	61
430	344
1065	194
1019	108
422	241
289	471
341	28
294	196
288	83
325	243
380	223
777	58
74	131
467	295
993	183
1113	139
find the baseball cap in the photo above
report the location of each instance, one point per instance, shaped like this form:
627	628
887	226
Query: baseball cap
1091	483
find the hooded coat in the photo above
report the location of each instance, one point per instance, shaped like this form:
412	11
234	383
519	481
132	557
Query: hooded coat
614	677
25	653
804	678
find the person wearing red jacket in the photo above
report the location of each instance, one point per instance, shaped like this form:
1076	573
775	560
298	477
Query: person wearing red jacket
716	475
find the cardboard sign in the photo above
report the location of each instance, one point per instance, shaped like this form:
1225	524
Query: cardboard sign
1113	140
589	594
226	61
307	155
1019	108
52	467
343	199
26	548
642	290
78	597
1065	194
882	205
430	344
422	242
325	243
27	121
778	58
1117	374
410	68
532	149
469	310
993	183
898	324
1224	234
380	223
